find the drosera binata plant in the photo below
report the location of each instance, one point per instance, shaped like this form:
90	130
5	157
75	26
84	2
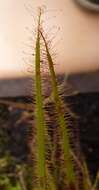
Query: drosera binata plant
40	119
46	176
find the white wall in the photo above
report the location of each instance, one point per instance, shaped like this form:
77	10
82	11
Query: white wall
77	41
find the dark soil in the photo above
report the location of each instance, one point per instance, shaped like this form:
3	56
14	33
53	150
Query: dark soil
15	128
87	108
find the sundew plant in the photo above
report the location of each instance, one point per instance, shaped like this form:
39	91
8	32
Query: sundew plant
42	169
55	165
54	171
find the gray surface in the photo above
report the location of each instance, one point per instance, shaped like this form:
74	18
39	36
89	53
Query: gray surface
87	82
14	87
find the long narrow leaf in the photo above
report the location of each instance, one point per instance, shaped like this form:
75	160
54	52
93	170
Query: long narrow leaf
40	122
65	136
